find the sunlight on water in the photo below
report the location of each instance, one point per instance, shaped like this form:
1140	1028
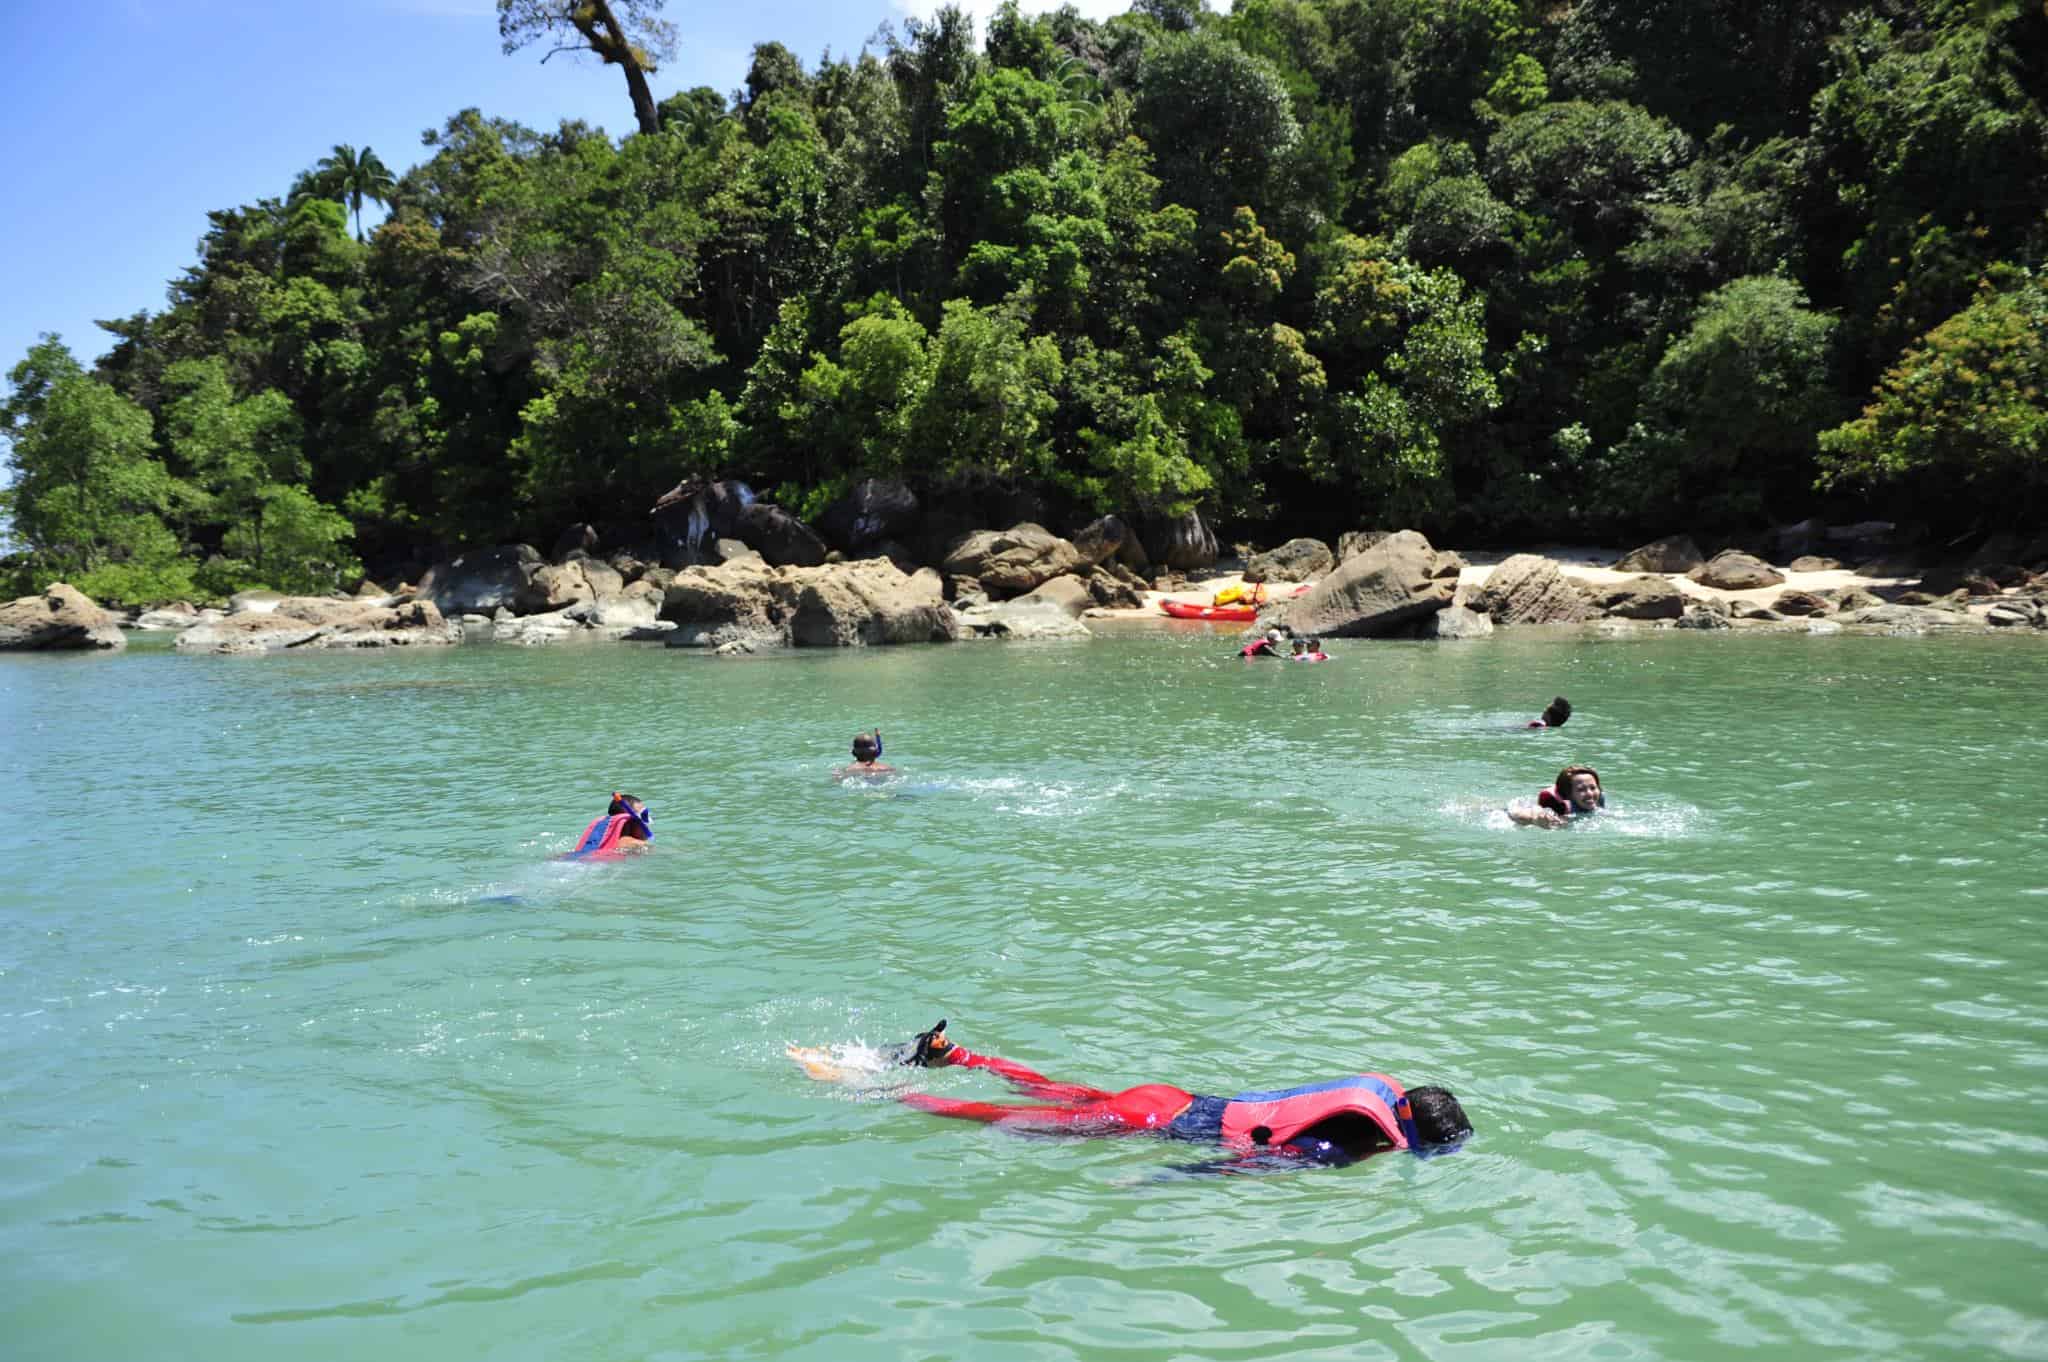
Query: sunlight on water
308	1047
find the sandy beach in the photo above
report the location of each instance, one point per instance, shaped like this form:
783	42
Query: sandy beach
1579	562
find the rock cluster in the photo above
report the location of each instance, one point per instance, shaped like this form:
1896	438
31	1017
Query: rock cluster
61	618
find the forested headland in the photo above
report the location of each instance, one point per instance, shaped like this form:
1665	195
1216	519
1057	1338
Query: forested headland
1489	268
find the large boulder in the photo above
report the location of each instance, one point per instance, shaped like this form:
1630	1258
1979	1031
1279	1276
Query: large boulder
1387	588
714	605
1182	544
1698	616
553	588
1021	619
1013	561
63	617
2027	611
176	615
1673	553
1813	562
1115	588
1909	619
1351	543
865	603
1646	597
478	582
1801	603
317	622
1734	570
1069	593
1297	560
780	538
873	510
1530	589
693	515
1101	540
1458	621
835	605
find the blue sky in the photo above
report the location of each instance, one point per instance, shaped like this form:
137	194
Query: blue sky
128	119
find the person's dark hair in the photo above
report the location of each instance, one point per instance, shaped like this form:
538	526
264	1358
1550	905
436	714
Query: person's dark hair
1438	1117
1564	783
1315	645
865	748
618	804
1557	711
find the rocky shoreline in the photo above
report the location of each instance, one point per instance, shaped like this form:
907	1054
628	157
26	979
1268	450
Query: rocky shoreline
732	575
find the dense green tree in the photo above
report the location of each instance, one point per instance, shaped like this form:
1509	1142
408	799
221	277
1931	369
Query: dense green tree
353	176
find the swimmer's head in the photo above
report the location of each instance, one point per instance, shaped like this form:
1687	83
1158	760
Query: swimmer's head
1579	786
636	808
1315	645
1273	634
867	747
1556	712
1439	1120
1300	646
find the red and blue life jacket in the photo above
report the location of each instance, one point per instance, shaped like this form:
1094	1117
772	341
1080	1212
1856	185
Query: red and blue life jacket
1274	1118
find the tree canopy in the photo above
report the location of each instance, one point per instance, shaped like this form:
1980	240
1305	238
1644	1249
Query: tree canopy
1494	268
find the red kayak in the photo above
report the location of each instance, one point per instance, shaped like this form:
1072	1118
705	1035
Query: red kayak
1242	614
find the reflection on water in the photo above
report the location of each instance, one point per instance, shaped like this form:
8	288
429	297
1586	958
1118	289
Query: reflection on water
310	1047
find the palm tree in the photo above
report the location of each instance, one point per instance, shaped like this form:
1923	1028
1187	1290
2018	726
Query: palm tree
352	177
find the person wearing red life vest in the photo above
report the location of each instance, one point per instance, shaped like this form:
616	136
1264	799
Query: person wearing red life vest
1337	1121
628	825
1577	794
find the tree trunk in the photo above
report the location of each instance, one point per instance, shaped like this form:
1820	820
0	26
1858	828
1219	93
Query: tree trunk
607	37
643	98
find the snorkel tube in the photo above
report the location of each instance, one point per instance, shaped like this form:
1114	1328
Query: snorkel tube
643	817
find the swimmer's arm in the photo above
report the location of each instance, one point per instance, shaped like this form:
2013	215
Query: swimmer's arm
1534	815
995	1064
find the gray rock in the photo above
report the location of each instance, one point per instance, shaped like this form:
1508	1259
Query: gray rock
1386	589
1699	618
1908	618
176	615
1013	561
1674	553
1020	620
1733	570
554	588
871	511
867	603
62	618
1101	540
481	581
1849	598
315	622
1457	621
1530	589
1297	560
1753	610
2020	611
260	601
1069	593
780	538
1351	543
1808	562
1183	544
1803	603
1113	588
1646	597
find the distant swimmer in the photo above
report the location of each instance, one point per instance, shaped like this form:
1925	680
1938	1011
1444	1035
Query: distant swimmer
1336	1121
628	825
1576	794
1554	714
1309	650
867	763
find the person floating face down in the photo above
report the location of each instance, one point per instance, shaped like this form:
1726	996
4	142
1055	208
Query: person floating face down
1577	794
867	763
1554	714
1336	1121
627	826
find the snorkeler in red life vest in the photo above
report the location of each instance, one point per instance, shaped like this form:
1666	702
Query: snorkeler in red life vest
628	825
1266	645
867	763
1336	1121
1554	714
1309	650
1576	794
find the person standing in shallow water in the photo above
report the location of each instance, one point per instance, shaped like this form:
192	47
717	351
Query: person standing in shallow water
867	763
1577	794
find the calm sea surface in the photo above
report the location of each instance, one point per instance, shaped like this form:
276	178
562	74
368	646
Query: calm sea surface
308	1050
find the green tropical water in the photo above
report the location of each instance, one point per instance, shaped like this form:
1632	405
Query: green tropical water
308	1050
